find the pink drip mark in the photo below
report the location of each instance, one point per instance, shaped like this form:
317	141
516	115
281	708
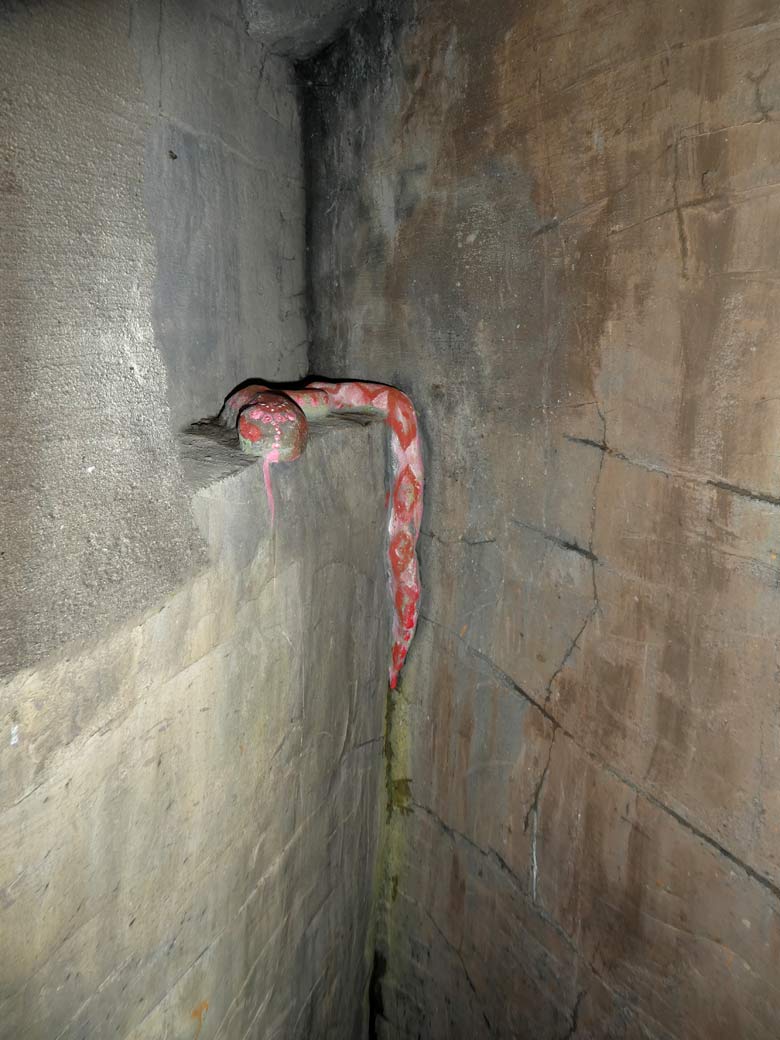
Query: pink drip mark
268	461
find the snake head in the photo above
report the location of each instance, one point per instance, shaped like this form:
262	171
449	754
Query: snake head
272	423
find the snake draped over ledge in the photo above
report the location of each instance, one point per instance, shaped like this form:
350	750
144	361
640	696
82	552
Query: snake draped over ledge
273	425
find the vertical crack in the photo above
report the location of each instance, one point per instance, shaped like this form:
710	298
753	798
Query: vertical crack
682	233
575	1014
590	555
532	818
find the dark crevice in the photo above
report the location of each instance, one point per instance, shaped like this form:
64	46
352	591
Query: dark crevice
376	1006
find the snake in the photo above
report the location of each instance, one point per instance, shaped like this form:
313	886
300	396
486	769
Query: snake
273	425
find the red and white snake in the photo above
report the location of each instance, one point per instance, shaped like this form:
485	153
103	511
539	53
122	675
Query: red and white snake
273	424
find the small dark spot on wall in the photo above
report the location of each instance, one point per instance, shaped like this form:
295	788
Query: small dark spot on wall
376	1007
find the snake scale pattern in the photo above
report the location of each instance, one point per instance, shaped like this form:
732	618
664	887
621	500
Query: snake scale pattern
273	425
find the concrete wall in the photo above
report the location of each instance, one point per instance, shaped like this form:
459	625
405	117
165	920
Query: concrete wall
191	704
151	257
556	226
190	808
298	28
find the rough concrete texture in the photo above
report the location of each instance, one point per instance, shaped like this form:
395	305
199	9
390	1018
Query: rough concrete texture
555	226
298	28
224	193
190	809
151	226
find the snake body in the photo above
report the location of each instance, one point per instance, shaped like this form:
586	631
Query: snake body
273	425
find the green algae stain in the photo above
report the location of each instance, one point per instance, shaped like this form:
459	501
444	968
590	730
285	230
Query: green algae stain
398	788
401	796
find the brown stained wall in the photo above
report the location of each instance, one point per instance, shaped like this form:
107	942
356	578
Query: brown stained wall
556	225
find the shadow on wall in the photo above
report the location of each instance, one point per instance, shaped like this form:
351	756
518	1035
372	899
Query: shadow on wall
299	28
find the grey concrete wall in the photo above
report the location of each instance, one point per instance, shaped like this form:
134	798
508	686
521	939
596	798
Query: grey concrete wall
224	197
191	704
556	226
190	808
151	257
298	28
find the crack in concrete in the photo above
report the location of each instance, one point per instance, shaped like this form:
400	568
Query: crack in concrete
533	816
490	854
685	476
462	540
682	233
575	1014
562	543
570	650
534	806
487	853
589	442
755	496
754	874
500	863
590	555
502	677
451	946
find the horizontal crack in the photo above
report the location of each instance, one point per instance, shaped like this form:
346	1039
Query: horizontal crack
587	441
692	478
755	496
462	540
562	543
